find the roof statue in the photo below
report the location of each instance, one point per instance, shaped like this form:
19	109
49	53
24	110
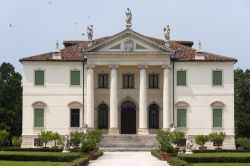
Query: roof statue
199	49
167	33
90	32
128	18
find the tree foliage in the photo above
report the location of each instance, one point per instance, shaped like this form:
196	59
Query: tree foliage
242	102
46	137
3	137
10	100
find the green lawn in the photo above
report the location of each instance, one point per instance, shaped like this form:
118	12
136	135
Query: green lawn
38	153
221	164
216	155
31	163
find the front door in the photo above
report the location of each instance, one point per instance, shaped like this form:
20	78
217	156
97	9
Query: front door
128	118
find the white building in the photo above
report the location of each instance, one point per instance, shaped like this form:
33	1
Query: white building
133	84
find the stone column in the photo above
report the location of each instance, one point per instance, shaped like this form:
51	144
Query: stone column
143	120
166	97
90	96
113	101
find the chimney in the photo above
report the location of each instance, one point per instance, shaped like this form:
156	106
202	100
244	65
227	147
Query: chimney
57	52
199	52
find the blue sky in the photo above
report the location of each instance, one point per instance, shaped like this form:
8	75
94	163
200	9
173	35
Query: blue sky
223	26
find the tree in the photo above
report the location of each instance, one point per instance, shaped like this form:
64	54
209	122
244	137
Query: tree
201	140
3	137
45	137
76	137
56	137
10	100
217	138
242	102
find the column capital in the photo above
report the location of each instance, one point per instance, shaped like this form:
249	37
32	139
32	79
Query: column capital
90	66
143	66
113	66
166	66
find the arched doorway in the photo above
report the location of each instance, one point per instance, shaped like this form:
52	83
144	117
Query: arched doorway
128	117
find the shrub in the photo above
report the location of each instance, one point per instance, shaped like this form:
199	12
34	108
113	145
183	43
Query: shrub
80	162
45	137
90	140
178	162
76	137
178	138
243	142
217	138
3	137
165	140
201	140
16	141
34	149
156	153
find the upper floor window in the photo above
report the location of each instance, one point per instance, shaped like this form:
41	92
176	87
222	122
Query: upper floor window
128	81
153	81
217	77
103	81
75	77
39	77
181	78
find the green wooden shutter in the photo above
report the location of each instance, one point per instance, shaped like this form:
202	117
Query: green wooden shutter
181	78
217	117
39	117
75	77
39	77
217	77
181	117
102	118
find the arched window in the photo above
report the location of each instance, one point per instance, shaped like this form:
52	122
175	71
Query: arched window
103	116
182	113
153	116
39	108
217	108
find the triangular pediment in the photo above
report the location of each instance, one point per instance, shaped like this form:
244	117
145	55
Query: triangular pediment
128	41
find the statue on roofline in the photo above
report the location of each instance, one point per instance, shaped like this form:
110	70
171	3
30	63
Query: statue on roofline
128	18
167	33
90	32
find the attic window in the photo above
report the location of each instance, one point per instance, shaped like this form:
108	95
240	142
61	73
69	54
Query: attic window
116	47
139	47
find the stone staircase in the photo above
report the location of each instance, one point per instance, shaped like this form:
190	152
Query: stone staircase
128	142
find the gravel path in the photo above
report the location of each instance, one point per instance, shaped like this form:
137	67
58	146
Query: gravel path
128	159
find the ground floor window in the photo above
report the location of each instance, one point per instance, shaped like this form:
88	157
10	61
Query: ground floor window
75	118
181	117
103	116
217	117
37	142
153	116
39	117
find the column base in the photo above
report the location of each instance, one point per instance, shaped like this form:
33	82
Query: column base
143	131
113	131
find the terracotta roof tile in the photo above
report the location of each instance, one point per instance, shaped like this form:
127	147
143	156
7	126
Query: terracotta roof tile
184	51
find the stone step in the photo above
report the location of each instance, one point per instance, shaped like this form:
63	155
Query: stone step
128	142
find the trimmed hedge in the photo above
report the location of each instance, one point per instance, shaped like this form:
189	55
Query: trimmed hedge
178	162
80	162
156	153
214	159
221	150
38	157
33	149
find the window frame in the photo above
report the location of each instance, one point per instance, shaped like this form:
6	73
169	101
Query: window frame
34	77
34	117
181	108
103	78
181	70
133	81
79	117
149	81
70	76
222	78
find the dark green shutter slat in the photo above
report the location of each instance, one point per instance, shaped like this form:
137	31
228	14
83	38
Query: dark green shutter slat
181	118
75	78
217	117
181	77
39	77
217	77
39	118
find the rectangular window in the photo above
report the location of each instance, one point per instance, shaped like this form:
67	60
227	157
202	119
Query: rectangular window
217	117
39	117
181	78
153	81
217	77
128	81
103	81
74	118
181	117
39	77
75	77
37	142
